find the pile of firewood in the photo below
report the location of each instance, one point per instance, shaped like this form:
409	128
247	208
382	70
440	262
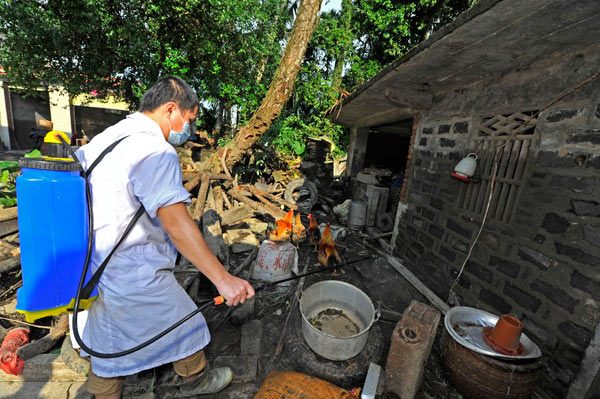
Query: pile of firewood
232	214
9	244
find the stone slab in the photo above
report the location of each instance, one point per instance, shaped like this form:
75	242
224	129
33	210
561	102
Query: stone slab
243	312
257	226
241	240
43	368
245	367
44	390
251	340
9	308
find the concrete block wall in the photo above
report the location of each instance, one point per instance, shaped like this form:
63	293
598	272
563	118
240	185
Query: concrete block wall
543	265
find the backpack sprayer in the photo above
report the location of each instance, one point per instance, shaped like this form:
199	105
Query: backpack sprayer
56	243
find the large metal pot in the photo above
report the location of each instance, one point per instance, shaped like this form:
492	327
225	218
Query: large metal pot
352	303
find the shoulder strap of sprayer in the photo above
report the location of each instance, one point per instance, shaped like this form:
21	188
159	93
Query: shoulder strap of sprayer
91	284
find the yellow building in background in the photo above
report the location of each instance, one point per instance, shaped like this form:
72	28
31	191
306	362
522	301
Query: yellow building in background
84	114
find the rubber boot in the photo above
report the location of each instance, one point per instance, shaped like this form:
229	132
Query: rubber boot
207	382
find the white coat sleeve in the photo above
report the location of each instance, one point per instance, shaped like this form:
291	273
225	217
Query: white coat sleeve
156	182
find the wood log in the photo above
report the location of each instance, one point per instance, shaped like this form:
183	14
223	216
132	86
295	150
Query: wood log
226	200
8	213
212	232
46	343
257	206
265	202
10	264
201	200
223	163
9	226
218	198
194	181
258	192
236	215
210	200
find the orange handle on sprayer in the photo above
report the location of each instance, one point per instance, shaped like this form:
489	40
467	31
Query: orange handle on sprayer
218	300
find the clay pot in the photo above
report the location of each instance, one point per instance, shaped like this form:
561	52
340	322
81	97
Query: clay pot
478	376
507	332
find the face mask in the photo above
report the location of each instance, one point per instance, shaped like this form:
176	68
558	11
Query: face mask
179	138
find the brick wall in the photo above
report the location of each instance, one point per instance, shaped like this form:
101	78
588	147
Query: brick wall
543	265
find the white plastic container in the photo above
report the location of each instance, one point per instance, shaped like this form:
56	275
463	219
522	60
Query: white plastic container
275	261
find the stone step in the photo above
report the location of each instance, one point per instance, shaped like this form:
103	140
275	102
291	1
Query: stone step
44	368
43	390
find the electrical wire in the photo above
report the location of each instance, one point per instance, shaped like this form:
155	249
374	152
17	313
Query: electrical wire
496	164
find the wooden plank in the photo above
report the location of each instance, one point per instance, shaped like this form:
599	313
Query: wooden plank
194	181
257	206
258	194
412	279
10	264
510	171
375	195
201	200
272	197
8	213
523	155
476	204
474	189
8	227
503	164
236	215
218	198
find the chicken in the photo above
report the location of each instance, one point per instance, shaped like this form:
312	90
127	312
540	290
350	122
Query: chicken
328	250
298	231
314	234
283	229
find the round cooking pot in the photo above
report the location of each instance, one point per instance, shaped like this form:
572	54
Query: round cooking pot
347	298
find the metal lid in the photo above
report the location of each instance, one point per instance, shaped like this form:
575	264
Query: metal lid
50	164
466	325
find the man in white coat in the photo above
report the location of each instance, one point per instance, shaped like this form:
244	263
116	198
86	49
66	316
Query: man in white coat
138	294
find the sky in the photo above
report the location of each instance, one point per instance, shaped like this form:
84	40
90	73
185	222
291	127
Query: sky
331	5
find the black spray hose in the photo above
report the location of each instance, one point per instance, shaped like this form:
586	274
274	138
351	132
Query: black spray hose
205	303
76	309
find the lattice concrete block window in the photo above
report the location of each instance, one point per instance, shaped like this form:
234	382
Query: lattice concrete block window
516	133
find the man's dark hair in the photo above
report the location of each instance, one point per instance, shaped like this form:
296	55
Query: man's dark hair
170	88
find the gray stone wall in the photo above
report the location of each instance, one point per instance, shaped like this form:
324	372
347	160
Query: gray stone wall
543	266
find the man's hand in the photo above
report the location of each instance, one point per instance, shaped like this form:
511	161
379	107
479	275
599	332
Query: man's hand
234	290
186	236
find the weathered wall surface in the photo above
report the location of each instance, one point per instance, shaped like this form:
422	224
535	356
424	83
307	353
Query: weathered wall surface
543	265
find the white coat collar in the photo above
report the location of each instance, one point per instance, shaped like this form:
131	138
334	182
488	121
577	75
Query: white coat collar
146	124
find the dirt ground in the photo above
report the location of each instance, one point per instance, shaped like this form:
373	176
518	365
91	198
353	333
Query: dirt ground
376	278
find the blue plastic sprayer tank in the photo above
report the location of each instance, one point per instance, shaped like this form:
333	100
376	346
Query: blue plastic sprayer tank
53	234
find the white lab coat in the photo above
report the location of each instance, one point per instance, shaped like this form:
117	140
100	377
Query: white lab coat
138	294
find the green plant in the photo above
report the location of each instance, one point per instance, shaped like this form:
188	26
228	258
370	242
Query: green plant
289	134
222	142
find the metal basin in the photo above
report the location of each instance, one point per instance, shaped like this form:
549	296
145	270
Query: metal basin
336	319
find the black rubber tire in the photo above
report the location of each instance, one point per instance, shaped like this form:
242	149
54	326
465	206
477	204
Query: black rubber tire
294	185
346	374
385	222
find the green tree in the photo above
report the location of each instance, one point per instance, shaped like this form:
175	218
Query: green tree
123	46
